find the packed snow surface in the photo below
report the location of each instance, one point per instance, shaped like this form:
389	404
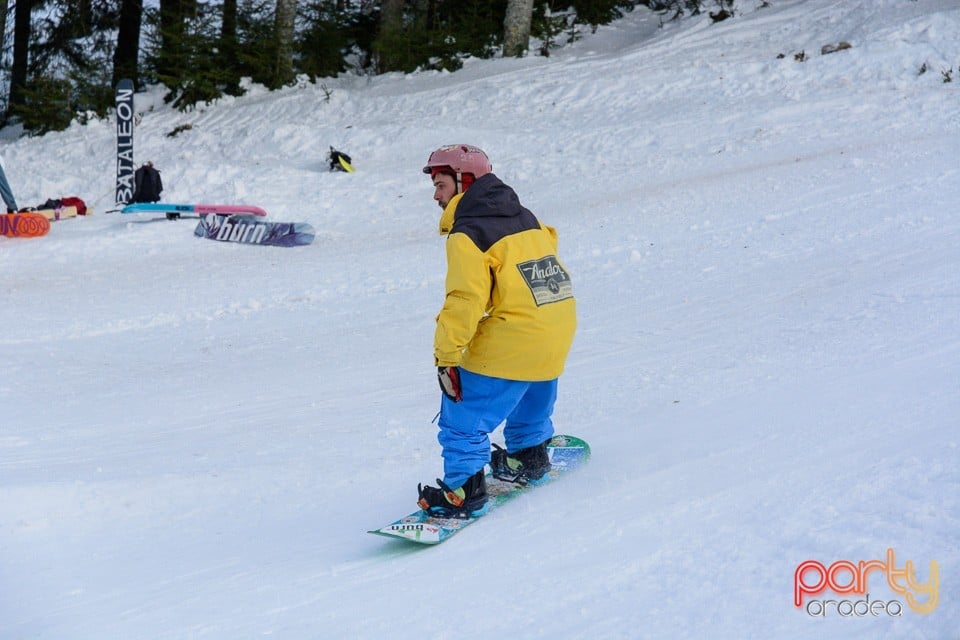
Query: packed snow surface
765	248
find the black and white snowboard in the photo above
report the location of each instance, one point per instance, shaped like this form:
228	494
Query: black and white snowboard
244	229
124	100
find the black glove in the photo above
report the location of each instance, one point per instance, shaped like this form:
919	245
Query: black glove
449	378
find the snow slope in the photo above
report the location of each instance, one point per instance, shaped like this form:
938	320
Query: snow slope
766	255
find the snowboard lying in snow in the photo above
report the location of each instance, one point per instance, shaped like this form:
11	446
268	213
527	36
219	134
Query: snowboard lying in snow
566	453
251	230
58	213
26	224
173	211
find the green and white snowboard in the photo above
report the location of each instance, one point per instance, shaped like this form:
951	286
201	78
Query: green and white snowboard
566	453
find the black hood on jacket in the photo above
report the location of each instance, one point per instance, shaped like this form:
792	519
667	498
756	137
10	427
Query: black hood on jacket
490	210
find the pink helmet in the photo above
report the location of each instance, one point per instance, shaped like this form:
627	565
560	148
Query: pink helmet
464	162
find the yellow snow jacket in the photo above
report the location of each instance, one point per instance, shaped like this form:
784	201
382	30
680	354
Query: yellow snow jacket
509	310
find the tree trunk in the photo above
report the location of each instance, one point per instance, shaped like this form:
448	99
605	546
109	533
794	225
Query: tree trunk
21	49
128	42
4	6
229	49
391	27
169	57
423	11
84	17
285	22
391	15
516	27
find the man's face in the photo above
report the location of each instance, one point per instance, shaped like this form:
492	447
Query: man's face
444	188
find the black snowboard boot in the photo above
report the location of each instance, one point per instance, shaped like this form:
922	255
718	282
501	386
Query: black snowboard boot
468	501
527	466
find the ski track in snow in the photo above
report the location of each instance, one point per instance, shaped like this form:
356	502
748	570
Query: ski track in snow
195	436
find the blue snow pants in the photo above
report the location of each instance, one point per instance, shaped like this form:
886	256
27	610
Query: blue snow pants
465	426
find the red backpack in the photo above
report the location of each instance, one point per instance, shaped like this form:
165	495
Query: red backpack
74	201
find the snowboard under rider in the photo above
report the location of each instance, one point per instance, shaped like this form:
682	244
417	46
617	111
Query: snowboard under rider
502	336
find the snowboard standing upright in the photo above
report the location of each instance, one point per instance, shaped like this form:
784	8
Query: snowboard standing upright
566	453
124	141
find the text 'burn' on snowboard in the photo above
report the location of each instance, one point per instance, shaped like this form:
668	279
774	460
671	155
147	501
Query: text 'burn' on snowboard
244	229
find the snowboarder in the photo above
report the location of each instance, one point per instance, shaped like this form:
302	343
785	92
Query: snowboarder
6	193
502	336
339	161
147	184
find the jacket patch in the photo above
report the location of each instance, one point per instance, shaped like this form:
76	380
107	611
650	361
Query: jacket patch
548	281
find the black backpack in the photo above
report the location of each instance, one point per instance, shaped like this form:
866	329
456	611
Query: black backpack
147	184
